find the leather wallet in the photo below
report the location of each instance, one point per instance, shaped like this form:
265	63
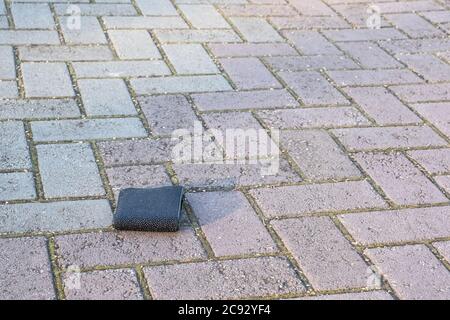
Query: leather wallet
149	209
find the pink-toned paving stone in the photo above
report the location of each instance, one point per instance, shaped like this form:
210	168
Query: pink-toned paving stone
444	249
367	295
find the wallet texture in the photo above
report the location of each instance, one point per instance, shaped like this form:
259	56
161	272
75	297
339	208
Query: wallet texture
149	209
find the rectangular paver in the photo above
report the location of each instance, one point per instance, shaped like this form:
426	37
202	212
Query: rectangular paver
423	92
189	59
373	77
7	67
437	113
16	186
203	16
369	55
65	53
133	44
8	89
13	146
311	42
88	31
69	170
142	22
121	68
27	37
251	49
429	66
436	161
247	26
32	16
413	25
300	63
156	7
40	108
310	198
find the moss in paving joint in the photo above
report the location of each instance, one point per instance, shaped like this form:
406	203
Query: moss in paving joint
57	273
143	284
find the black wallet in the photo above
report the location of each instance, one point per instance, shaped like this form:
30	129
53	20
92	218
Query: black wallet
149	209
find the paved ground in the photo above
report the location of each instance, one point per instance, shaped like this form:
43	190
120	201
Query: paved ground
358	209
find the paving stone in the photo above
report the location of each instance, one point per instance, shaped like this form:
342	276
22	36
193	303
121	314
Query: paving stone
55	216
399	179
157	22
388	137
415	45
324	255
189	59
41	108
364	34
430	67
167	113
382	106
300	63
136	152
248	25
4	22
423	92
120	69
317	155
16	185
32	16
7	68
437	16
311	198
313	88
26	270
313	118
203	16
8	89
444	182
368	295
435	161
311	43
46	79
249	73
413	25
260	10
356	14
398	225
119	248
251	49
89	31
97	9
257	99
179	84
225	218
28	37
369	55
228	279
13	146
156	8
412	271
2	8
87	129
309	23
312	8
119	284
373	77
197	36
133	44
437	113
69	170
443	248
392	7
98	100
65	53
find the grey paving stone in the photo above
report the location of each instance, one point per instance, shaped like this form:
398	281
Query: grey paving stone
443	248
444	182
356	14
256	99
26	269
46	79
224	279
251	49
16	185
427	65
398	225
300	63
382	106
189	59
32	16
230	224
435	161
119	284
373	77
120	69
197	36
399	179
364	34
89	31
308	22
388	138
179	84
106	97
69	170
118	248
312	8
317	155
203	16
7	67
328	197
311	42
13	146
40	108
423	92
8	89
313	88
157	22
55	216
416	45
412	271
413	25
157	7
369	55
4	22
249	73
368	295
437	16
87	129
313	118
133	44
167	113
98	9
247	26
259	10
323	253
65	53
437	113
28	37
